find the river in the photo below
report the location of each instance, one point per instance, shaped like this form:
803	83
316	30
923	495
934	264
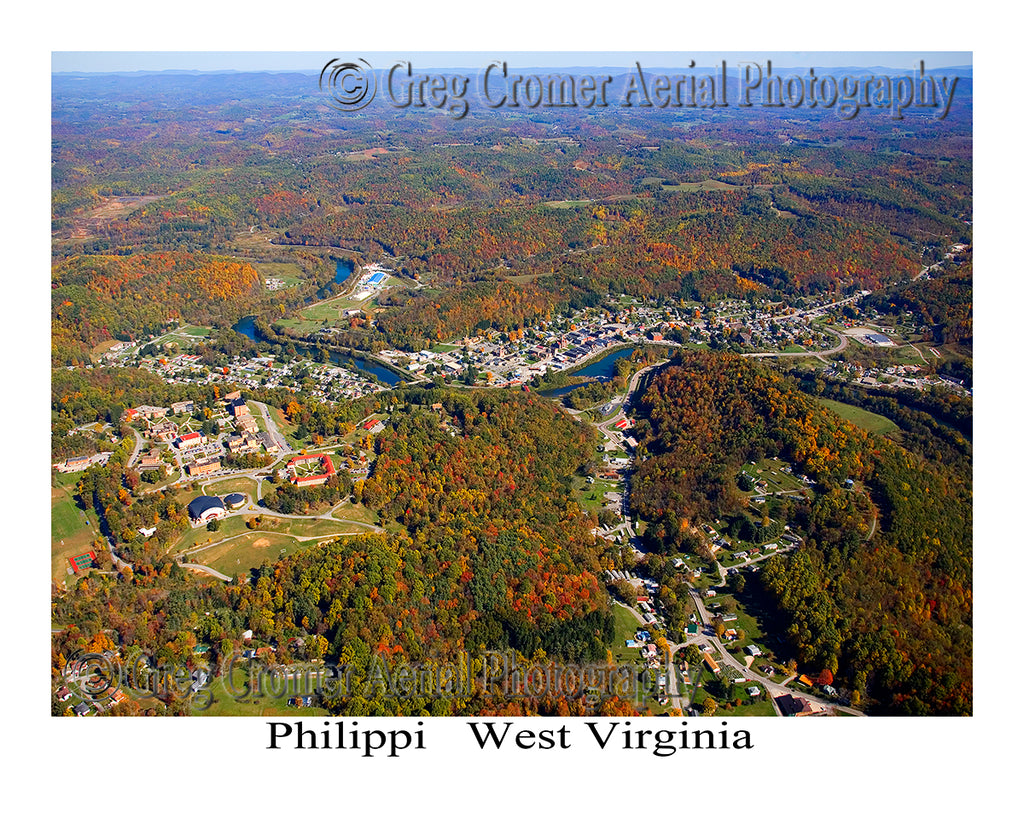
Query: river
601	370
247	327
342	270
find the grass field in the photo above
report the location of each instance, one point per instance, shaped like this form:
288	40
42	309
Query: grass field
229	703
748	708
249	551
355	512
200	535
770	471
183	336
247	486
332	310
706	185
65	479
71	531
237	549
744	622
597	490
625	627
244	553
290	274
570	203
870	421
102	347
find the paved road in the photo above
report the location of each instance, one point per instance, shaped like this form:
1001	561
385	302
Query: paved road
139	443
272	429
199	567
774	689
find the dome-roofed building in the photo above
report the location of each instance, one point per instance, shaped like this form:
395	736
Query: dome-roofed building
204	509
236	500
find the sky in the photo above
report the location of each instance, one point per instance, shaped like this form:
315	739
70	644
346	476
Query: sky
313	61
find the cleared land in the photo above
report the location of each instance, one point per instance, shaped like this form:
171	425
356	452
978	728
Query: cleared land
705	185
249	551
289	273
246	486
71	531
590	497
228	703
626	626
870	421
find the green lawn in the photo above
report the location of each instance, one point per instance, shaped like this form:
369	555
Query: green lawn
762	708
278	538
705	185
66	479
770	471
625	627
869	421
71	532
569	203
743	622
285	428
200	535
240	555
355	512
747	708
246	486
288	272
230	704
66	519
332	311
591	496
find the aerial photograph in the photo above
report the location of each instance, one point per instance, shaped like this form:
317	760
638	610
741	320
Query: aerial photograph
512	384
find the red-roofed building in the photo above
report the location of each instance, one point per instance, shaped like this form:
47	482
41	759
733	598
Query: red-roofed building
315	479
190	440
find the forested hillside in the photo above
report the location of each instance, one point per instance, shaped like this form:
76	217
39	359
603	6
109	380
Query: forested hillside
884	604
489	552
